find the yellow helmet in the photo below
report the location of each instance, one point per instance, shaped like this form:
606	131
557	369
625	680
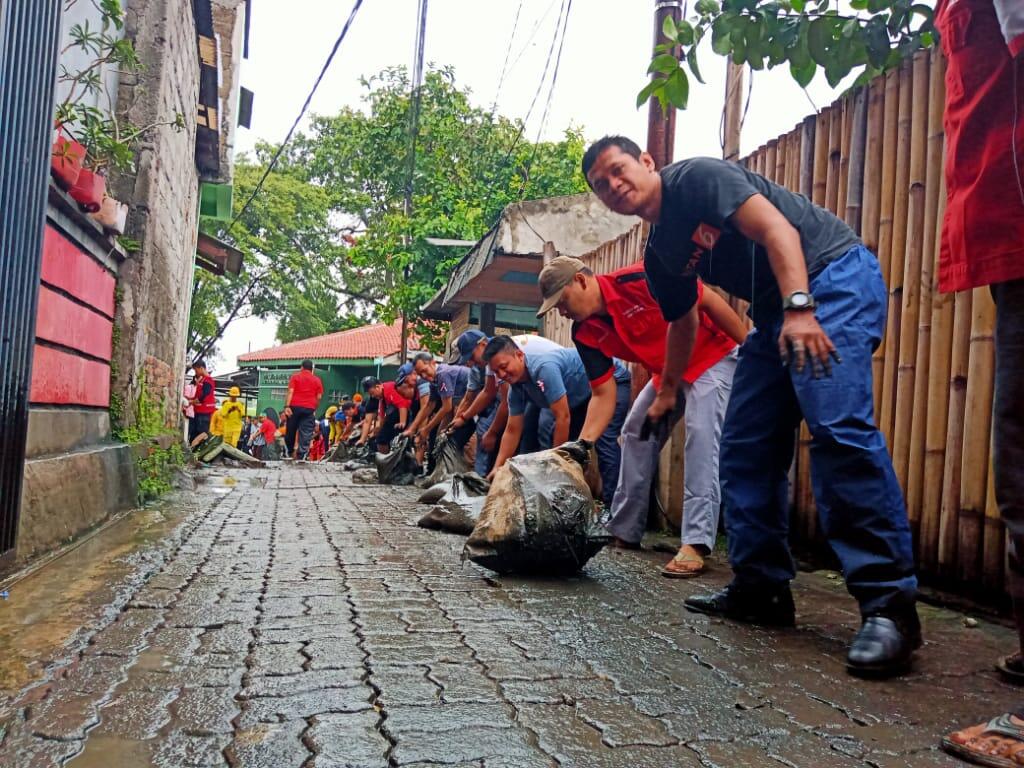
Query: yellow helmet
234	392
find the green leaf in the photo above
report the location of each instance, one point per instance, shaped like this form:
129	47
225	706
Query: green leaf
707	7
835	71
819	39
677	89
803	73
691	60
685	33
668	28
664	63
859	5
648	90
720	41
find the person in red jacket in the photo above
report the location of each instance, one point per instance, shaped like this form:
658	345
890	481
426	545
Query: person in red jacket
983	244
204	402
615	316
304	392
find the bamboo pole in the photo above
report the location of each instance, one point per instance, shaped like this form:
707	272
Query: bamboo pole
873	164
845	137
897	253
769	159
949	526
780	161
923	405
793	162
977	435
835	139
995	536
914	279
855	164
807	131
886	202
820	170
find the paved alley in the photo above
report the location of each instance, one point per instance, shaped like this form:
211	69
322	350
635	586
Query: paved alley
287	618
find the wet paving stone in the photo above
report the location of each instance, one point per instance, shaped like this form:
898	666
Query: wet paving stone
297	620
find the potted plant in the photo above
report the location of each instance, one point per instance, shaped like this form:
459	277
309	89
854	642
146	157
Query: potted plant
66	159
108	140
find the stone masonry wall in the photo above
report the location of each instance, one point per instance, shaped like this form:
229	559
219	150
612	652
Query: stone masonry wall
155	281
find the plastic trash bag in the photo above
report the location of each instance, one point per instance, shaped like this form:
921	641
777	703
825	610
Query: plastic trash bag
458	506
539	516
399	465
448	461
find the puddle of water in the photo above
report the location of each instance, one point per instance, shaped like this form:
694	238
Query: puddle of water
102	751
46	608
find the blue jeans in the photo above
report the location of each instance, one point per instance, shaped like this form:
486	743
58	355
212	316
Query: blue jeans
859	502
609	452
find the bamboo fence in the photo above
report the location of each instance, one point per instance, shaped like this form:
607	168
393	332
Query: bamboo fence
875	158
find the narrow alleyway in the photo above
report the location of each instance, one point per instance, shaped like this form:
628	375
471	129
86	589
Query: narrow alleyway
283	617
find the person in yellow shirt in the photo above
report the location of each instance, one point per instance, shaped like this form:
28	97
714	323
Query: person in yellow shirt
231	413
217	424
335	433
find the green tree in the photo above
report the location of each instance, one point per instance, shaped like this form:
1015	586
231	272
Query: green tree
805	34
329	242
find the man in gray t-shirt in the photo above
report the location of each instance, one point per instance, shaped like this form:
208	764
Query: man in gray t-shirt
818	301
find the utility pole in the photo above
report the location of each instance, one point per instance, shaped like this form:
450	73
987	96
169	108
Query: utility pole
661	127
414	128
733	111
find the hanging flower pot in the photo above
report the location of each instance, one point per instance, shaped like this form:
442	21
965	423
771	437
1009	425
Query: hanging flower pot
113	214
89	190
66	161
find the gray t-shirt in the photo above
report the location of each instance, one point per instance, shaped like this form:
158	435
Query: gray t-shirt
694	237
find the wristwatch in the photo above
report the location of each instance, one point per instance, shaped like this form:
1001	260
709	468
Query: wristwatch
798	300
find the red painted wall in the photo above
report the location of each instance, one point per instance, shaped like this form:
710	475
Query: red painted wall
76	310
61	378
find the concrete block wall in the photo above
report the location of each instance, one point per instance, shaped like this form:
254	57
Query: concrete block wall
155	282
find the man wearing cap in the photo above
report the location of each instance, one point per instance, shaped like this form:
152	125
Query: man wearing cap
615	315
372	387
203	402
817	298
451	382
304	392
557	381
232	413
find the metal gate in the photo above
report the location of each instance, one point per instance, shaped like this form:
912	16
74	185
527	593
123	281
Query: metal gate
29	35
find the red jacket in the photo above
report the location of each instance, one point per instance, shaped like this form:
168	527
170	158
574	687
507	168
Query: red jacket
207	403
637	330
983	227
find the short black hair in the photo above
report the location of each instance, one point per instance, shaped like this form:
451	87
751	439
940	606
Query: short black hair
348	405
497	345
307	364
594	151
200	363
422	357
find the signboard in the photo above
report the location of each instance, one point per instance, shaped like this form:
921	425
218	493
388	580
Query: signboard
275	378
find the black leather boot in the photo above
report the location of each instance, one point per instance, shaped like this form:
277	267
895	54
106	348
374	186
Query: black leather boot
755	605
885	643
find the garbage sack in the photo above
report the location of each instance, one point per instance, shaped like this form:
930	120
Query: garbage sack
339	452
352	464
399	465
448	461
365	475
539	516
459	506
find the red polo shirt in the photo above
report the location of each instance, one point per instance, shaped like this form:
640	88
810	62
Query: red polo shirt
391	396
634	329
983	227
306	389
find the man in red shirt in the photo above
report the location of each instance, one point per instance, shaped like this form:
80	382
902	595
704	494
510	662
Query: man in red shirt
204	403
393	414
983	244
304	392
615	315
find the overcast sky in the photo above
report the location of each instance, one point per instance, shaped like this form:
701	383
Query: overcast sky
605	55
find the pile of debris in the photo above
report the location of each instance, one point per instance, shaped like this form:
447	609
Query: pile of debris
213	448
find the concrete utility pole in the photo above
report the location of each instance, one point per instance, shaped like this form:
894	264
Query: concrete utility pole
733	111
661	128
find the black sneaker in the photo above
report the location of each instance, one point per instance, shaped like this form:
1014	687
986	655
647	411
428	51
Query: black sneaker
885	644
753	605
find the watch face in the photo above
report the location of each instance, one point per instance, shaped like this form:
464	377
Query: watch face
799	300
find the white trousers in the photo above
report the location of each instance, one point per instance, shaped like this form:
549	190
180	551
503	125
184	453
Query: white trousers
703	404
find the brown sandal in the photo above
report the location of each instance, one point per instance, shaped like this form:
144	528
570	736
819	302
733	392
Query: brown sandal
676	568
1001	726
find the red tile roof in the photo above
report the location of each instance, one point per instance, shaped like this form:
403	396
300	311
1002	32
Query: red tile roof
367	341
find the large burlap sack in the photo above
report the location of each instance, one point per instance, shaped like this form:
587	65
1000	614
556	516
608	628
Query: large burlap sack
539	516
448	461
458	506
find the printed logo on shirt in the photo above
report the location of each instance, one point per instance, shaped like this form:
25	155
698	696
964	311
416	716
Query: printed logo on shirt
540	385
706	236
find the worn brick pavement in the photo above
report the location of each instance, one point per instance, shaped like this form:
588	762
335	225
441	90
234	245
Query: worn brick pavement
296	620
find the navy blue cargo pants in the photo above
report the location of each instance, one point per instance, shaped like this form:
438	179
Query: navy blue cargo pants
859	502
